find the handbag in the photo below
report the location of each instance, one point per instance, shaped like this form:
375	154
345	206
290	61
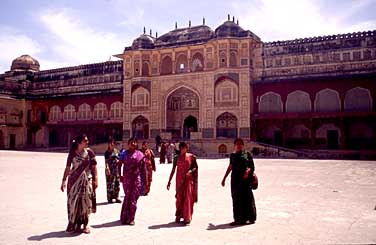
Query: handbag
254	183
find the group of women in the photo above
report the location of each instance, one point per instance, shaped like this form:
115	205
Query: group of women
136	177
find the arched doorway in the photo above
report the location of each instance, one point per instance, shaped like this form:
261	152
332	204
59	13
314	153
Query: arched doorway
54	139
182	112
227	126
140	128
190	125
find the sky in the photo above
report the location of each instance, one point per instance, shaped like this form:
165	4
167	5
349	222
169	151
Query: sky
61	33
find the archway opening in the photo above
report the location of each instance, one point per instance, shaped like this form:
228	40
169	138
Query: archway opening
182	113
190	125
140	128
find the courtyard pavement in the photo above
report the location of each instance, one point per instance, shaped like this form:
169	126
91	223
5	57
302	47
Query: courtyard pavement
298	202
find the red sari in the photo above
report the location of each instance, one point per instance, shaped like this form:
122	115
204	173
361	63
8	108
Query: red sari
186	186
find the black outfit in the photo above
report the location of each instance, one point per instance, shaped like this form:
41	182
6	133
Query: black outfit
243	201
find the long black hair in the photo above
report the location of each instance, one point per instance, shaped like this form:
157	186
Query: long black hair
76	141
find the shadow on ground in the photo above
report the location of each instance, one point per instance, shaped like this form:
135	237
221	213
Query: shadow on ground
108	224
53	234
107	203
168	225
212	227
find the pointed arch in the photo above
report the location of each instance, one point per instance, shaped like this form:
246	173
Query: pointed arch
140	127
100	111
270	102
298	101
227	125
84	112
327	100
358	99
140	97
197	62
166	65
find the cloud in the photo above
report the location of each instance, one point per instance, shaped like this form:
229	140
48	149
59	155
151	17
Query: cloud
13	44
274	20
74	42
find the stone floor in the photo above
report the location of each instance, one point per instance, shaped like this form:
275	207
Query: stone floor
298	202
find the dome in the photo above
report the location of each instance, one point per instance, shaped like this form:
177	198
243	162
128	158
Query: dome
25	63
143	42
230	29
183	35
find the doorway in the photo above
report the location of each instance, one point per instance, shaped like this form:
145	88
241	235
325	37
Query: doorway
278	138
190	125
332	138
12	141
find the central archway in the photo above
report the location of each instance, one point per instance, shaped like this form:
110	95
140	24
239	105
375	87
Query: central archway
182	112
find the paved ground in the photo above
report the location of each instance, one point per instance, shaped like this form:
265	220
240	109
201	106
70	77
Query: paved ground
298	202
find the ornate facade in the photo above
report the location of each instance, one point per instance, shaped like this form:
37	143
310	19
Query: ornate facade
203	85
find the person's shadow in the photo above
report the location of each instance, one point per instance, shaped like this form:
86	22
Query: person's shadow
106	203
168	225
108	224
53	234
212	227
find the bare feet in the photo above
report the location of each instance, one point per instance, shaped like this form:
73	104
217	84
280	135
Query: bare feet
86	230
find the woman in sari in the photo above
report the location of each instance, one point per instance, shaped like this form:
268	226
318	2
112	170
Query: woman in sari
111	157
243	201
133	167
81	170
149	169
186	184
162	153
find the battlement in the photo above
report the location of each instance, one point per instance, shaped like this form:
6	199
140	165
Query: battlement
321	39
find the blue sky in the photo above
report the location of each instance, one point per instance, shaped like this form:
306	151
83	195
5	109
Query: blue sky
62	33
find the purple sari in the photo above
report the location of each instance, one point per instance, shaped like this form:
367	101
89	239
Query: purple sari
134	167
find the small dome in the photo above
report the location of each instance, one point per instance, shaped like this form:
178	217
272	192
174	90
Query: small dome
143	42
25	63
230	29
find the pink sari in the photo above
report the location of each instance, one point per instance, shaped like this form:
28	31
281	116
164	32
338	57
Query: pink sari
186	186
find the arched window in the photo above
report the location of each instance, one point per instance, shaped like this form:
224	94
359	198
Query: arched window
84	112
327	100
55	113
116	110
270	102
227	125
358	99
137	68
166	65
69	113
226	91
140	97
233	59
197	62
140	127
181	64
298	101
145	69
100	111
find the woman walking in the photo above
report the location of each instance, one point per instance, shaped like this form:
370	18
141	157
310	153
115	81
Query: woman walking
133	167
186	184
243	201
111	157
81	171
